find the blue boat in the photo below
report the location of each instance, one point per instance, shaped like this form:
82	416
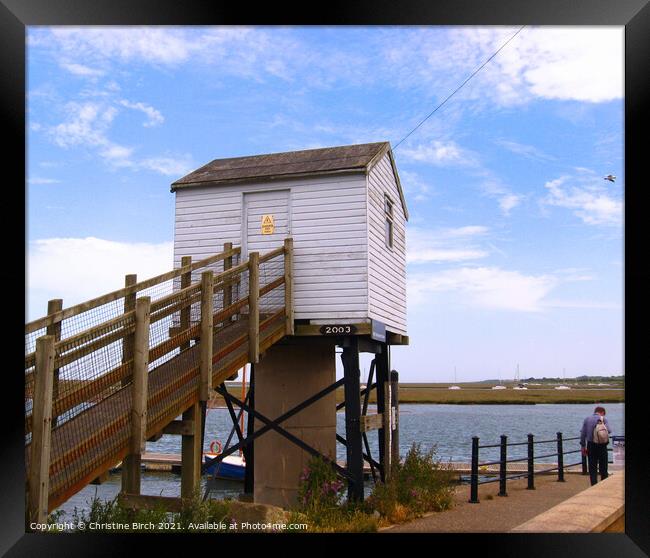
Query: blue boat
233	467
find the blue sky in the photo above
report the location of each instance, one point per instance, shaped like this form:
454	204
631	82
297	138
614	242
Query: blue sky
515	241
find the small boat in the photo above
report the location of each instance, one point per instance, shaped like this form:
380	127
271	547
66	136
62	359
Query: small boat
232	467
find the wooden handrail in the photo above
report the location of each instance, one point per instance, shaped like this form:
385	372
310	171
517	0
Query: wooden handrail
120	293
272	254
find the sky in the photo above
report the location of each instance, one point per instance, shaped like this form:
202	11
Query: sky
514	242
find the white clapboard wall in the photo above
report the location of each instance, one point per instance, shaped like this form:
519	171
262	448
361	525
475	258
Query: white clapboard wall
257	205
386	266
326	216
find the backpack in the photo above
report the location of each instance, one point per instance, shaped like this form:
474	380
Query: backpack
601	434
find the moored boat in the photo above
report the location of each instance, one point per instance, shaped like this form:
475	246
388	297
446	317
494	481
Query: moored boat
232	467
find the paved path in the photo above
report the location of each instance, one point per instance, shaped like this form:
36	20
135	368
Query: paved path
496	514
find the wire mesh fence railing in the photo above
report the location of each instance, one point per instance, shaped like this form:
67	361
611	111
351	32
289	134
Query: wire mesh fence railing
95	347
91	339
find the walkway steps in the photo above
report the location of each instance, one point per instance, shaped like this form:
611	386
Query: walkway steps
78	460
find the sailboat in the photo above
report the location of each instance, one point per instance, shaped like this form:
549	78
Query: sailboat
519	385
454	386
499	386
564	378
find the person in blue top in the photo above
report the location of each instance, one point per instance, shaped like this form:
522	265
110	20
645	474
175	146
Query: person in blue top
596	451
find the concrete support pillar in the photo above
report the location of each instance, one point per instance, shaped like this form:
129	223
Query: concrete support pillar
287	375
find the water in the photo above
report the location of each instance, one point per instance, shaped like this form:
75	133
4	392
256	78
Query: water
449	428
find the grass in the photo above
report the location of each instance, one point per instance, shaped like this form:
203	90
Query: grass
472	393
479	394
531	396
109	513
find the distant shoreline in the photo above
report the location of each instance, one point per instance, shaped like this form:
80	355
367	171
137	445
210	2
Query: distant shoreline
541	401
482	394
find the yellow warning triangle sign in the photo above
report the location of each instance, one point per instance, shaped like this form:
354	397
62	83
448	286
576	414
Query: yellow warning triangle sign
267	220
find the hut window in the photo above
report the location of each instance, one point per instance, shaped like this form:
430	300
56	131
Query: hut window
388	212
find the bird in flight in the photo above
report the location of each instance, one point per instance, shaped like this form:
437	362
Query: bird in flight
610	177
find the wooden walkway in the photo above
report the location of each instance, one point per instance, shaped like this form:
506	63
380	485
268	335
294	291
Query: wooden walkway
107	430
76	462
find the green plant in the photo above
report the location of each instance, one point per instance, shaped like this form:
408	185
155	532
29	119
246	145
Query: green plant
197	511
104	514
417	485
320	495
320	488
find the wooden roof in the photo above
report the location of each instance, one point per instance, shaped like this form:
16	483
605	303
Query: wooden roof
290	164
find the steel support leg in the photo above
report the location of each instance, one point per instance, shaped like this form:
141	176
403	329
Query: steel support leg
249	455
352	388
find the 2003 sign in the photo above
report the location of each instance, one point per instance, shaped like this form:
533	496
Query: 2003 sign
345	329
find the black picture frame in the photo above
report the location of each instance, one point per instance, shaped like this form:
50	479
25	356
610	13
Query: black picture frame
15	15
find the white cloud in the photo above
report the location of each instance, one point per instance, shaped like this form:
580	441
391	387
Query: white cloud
38	180
243	51
583	64
415	187
78	269
592	203
469	230
528	151
439	153
561	63
81	70
508	202
155	117
443	255
494	188
582	304
169	166
486	287
443	245
87	125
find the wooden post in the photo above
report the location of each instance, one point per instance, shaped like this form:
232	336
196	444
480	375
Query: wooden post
191	452
254	307
53	306
131	463
288	285
383	408
207	293
227	264
129	305
39	465
394	403
186	281
387	432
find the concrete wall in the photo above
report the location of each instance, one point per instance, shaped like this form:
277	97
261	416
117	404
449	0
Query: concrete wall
286	375
600	508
